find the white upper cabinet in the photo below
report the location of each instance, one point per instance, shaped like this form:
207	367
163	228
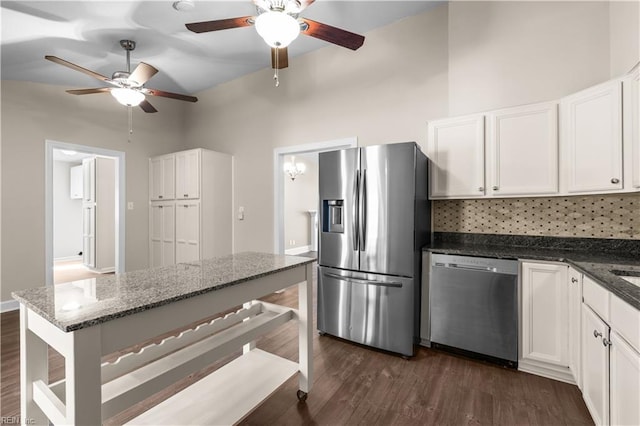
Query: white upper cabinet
456	149
162	177
188	174
592	131
631	110
522	157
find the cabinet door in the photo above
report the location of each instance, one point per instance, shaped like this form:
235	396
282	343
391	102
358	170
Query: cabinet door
625	383
162	234
162	178
89	180
633	90
75	182
523	150
456	149
187	231
592	138
575	331
188	174
595	366
544	313
88	236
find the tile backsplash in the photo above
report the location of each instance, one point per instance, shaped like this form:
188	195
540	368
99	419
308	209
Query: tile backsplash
600	216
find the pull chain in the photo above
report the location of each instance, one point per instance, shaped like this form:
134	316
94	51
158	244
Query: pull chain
277	59
130	114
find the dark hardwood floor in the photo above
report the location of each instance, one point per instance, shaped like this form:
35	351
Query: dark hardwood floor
357	385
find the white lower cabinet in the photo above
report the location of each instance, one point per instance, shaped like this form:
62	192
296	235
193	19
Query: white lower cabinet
162	234
545	331
575	321
624	382
187	231
595	365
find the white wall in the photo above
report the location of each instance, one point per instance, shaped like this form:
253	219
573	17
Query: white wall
624	24
300	196
33	113
67	214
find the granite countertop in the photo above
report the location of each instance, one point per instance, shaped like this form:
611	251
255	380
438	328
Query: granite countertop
79	304
595	258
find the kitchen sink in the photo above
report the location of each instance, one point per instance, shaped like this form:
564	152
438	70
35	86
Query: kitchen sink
630	276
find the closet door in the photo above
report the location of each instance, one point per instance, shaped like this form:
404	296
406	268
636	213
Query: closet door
162	234
187	231
88	235
188	174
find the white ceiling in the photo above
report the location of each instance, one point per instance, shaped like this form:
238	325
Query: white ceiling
87	33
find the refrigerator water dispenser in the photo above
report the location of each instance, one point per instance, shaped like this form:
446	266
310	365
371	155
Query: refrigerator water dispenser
332	216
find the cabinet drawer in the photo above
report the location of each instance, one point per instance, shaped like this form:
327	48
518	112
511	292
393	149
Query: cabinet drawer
625	319
597	297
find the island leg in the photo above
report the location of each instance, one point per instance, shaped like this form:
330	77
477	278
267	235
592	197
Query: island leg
34	365
305	336
83	382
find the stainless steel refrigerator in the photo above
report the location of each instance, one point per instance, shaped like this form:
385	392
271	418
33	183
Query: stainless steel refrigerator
374	219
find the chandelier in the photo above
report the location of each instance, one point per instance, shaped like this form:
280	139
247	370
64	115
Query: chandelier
293	169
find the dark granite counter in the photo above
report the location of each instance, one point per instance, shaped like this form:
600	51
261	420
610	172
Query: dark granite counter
594	257
79	304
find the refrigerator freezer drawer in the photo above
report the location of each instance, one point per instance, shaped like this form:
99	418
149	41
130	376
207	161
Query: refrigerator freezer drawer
374	310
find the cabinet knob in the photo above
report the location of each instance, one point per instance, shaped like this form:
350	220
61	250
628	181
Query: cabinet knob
186	195
596	334
606	342
615	180
481	189
574	280
159	196
495	188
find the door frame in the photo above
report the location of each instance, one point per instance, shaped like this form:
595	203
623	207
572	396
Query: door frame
278	179
120	185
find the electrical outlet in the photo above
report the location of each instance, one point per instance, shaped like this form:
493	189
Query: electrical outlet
241	213
292	242
130	205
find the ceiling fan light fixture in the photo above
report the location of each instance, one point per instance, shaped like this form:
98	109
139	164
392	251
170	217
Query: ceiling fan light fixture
127	97
278	29
183	5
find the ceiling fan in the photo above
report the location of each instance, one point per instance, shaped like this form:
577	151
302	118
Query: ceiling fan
278	23
128	87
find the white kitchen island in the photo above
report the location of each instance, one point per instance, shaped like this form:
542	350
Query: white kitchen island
85	320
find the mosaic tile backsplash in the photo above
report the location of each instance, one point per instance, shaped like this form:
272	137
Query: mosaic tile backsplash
601	216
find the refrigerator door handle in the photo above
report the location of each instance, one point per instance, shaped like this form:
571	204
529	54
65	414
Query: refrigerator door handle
363	211
364	281
356	201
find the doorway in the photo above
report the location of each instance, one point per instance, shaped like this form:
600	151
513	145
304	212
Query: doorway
280	157
68	248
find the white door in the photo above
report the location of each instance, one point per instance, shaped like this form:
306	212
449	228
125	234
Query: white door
89	180
162	234
595	366
544	313
625	383
187	231
188	174
522	153
575	331
456	148
162	177
592	138
88	236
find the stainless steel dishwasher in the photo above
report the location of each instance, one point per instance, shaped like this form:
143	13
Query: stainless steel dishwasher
473	306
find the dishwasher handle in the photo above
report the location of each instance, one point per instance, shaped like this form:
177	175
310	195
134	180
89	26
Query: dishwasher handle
467	267
365	281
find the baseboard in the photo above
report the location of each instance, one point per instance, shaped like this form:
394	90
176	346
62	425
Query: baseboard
297	250
549	371
9	305
67	258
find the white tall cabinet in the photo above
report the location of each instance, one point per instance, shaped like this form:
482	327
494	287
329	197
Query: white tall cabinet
98	217
191	212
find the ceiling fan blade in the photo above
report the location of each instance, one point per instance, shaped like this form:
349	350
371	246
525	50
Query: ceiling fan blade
147	107
77	68
142	73
220	24
332	34
279	58
89	91
156	92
